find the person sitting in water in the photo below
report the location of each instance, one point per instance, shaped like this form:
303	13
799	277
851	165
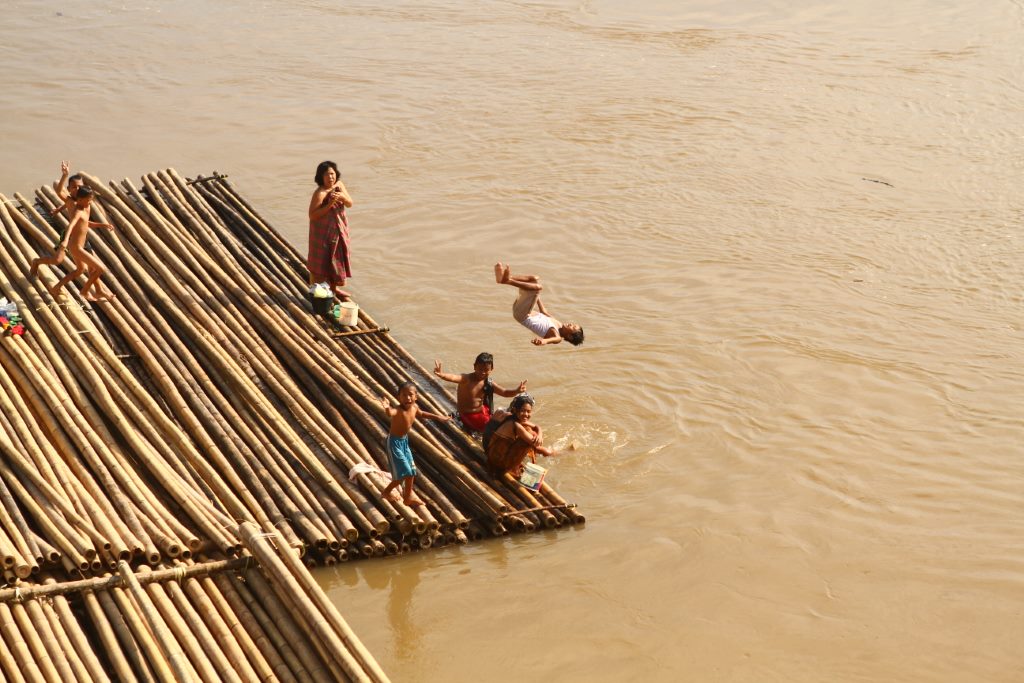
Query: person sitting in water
509	441
548	329
475	395
329	256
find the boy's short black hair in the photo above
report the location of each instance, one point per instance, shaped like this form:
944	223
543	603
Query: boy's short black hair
485	358
403	385
77	176
322	168
575	338
83	192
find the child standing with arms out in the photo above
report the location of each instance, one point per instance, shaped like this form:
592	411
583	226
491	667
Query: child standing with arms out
548	329
66	189
403	467
74	241
475	395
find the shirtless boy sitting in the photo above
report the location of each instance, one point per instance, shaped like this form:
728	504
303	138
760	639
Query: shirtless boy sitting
548	329
475	395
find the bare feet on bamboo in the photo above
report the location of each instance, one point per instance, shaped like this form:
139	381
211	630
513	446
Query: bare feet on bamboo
414	502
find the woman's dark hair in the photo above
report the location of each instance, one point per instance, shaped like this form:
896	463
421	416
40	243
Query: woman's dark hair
84	191
322	168
519	401
514	407
575	338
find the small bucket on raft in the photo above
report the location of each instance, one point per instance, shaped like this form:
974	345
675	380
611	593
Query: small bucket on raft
346	314
321	296
532	476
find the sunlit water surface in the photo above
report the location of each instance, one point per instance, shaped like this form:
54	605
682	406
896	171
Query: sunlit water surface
791	231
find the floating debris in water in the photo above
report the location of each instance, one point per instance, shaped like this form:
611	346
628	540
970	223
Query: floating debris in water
880	182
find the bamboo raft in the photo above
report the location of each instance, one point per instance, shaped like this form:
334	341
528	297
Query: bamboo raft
175	460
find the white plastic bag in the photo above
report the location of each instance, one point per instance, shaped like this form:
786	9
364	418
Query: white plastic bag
321	290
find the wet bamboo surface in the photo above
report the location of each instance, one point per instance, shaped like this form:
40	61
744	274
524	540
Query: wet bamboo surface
201	419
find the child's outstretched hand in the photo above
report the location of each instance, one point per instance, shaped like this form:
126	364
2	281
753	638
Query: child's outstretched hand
522	387
385	402
537	341
65	167
437	367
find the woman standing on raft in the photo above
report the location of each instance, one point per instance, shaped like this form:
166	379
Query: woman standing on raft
328	259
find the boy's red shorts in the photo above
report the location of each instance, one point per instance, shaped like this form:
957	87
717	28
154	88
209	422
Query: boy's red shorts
476	421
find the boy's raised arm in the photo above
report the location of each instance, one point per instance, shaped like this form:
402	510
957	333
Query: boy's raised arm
58	185
509	393
385	403
446	376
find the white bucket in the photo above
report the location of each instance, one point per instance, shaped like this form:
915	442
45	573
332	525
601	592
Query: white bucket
349	316
533	476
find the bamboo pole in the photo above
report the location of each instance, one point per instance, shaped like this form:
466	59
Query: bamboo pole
282	617
20	650
76	636
192	650
108	636
265	663
170	649
146	659
209	643
37	644
43	631
221	633
9	665
326	623
79	671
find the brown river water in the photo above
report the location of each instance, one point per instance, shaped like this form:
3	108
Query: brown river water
791	230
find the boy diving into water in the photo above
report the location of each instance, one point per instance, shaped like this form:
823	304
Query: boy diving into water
548	329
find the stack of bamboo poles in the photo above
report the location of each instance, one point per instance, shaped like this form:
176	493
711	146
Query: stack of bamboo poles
260	617
205	396
208	379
